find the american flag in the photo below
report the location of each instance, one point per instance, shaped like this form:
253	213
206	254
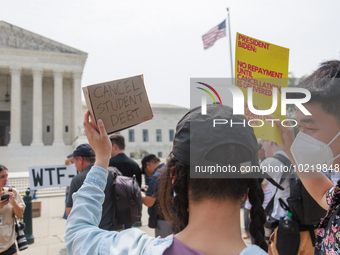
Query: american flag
213	35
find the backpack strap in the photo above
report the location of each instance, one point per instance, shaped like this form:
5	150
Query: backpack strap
133	184
270	205
284	160
287	163
112	170
284	205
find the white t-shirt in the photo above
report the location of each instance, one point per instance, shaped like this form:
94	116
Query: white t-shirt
268	194
278	211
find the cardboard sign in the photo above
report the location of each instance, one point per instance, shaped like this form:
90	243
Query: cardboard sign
119	104
42	177
261	66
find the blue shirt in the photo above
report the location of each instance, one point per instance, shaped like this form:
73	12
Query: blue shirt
83	237
153	190
153	186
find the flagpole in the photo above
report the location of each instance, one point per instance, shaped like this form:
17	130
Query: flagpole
231	53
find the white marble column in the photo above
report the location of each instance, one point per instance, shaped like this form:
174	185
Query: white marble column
58	108
37	107
15	107
77	105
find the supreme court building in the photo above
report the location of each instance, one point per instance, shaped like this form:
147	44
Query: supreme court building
41	111
40	98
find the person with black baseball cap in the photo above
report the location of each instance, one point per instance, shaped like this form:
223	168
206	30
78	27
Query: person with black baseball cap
203	207
84	157
153	167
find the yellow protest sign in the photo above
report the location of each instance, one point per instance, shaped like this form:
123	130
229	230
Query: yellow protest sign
260	68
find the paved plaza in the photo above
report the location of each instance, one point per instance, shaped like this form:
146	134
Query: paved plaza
49	228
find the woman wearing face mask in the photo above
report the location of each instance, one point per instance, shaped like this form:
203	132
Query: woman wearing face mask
316	149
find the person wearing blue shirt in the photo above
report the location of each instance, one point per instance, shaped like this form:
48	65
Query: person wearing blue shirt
152	166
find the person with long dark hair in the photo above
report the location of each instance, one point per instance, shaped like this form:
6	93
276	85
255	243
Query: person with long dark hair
205	212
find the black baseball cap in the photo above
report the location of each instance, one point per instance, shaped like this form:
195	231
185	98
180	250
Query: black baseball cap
146	159
83	150
196	136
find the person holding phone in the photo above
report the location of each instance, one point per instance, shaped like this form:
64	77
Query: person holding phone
11	205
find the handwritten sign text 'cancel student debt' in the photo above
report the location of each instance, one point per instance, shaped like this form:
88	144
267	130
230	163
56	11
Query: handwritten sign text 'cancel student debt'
119	104
42	177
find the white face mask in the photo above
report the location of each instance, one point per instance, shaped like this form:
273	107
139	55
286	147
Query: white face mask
311	153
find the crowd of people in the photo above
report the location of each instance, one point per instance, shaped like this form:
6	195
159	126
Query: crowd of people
286	212
204	212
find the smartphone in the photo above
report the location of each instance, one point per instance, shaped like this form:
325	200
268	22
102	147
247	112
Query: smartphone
5	197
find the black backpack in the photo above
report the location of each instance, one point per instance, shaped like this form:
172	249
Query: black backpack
128	203
303	207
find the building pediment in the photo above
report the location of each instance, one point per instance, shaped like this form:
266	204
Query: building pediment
14	37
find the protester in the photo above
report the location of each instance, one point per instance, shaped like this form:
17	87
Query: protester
154	168
127	166
9	209
317	147
206	211
272	149
84	157
68	161
277	158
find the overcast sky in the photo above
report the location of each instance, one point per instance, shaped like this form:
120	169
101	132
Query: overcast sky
163	39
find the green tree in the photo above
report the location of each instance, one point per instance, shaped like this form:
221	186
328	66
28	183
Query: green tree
141	153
